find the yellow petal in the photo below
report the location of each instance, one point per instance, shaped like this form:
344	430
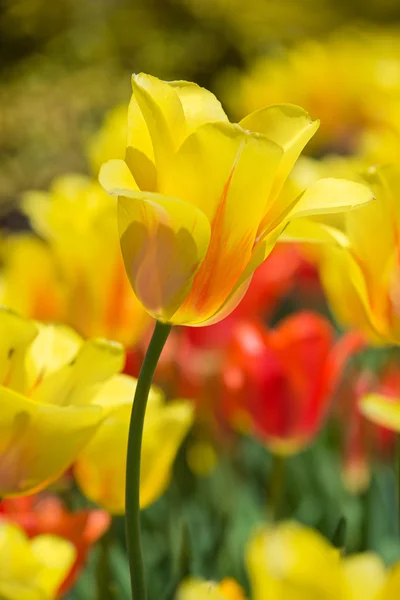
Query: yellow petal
391	589
32	569
56	557
115	175
293	562
163	242
347	292
110	141
75	381
287	125
365	575
120	389
163	115
16	334
169	426
100	469
29	430
382	410
199	105
328	196
217	169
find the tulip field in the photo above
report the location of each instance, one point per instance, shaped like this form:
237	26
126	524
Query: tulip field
200	300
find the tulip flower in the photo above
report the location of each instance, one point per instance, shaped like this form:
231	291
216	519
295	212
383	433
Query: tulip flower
47	515
196	589
279	384
77	277
32	569
293	561
201	201
100	468
361	279
48	377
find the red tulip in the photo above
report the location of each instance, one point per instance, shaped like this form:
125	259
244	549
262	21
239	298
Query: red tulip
47	515
279	383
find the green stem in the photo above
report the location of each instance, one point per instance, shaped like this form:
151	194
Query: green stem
277	483
132	492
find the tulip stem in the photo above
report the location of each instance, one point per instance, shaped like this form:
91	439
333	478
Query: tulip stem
277	483
132	492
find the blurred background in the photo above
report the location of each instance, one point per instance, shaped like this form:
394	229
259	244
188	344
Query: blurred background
65	64
64	89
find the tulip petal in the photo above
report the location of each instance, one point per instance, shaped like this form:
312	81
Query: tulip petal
171	426
100	469
328	196
287	125
16	333
163	114
381	410
365	576
56	557
39	442
199	105
163	242
115	175
241	168
75	382
120	389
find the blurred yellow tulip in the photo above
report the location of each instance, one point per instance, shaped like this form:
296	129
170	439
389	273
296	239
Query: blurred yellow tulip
360	271
100	468
77	276
202	201
32	569
110	141
197	589
29	280
48	377
293	562
350	79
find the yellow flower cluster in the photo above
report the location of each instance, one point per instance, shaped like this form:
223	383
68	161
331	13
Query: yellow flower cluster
63	401
293	562
351	81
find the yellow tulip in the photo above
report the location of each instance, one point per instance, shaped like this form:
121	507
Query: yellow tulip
201	201
48	378
100	468
360	272
29	280
197	589
32	569
110	141
78	277
293	562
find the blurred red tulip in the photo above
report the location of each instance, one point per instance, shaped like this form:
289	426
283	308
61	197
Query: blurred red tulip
47	515
278	384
